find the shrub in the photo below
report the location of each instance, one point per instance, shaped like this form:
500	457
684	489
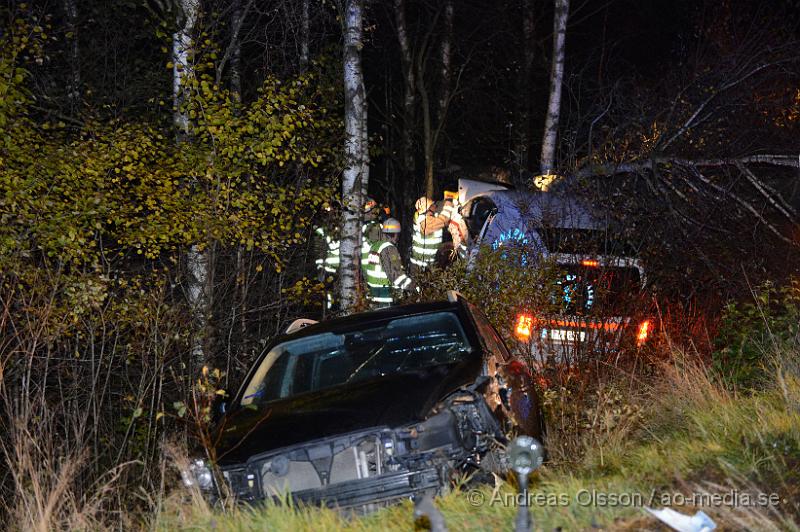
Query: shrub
749	331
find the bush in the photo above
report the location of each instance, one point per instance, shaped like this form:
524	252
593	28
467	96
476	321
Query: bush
750	331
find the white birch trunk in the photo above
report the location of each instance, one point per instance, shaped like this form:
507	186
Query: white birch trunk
181	66
556	82
353	178
197	263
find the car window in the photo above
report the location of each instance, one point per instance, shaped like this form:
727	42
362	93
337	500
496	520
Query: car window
488	333
479	211
329	359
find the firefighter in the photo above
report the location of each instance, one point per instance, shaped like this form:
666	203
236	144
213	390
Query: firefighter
327	263
430	220
385	273
370	231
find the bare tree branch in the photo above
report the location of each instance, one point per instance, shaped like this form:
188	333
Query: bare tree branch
233	41
769	193
742	203
611	169
692	121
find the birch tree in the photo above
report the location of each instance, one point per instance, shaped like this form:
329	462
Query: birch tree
556	82
197	259
354	178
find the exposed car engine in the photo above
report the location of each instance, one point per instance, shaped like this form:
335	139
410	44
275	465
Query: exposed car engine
401	462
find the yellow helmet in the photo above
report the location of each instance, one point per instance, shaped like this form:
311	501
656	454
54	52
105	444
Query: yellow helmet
370	204
423	204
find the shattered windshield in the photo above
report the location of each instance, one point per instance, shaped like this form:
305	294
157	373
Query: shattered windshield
330	359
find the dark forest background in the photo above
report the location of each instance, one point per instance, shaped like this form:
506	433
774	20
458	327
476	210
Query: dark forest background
143	266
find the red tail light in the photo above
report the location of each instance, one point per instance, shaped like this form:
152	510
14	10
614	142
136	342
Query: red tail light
590	263
524	326
644	331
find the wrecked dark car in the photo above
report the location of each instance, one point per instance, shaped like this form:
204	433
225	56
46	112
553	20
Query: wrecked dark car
373	408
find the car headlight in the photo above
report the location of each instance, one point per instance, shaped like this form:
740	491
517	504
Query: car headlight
198	474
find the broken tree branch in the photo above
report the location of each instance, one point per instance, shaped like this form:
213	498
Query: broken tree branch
769	193
742	203
611	169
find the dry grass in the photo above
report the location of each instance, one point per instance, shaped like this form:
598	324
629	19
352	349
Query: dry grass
47	480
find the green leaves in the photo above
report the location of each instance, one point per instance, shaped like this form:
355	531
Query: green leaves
180	408
126	189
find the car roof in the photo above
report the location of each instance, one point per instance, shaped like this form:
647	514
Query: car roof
359	319
543	208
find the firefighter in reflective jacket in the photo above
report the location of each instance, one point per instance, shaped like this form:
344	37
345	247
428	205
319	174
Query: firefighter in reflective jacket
328	264
370	231
430	220
385	271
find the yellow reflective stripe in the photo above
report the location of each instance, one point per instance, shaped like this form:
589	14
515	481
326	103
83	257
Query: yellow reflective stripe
435	236
402	281
424	251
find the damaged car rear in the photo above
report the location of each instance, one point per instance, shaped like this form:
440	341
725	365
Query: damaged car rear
372	408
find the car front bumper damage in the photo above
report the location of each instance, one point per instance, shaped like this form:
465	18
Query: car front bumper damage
374	467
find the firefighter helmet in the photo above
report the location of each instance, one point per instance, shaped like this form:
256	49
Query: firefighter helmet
370	205
391	226
423	204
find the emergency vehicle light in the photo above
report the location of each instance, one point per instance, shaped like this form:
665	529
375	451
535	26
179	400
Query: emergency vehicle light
644	330
524	326
590	263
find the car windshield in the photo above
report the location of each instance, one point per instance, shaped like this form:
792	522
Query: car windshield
382	348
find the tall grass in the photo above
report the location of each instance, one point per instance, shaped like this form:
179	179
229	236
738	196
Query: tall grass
84	384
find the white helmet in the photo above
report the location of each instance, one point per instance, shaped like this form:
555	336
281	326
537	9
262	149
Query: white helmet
391	226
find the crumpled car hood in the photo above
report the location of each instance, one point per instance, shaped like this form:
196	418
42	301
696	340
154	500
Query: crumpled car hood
391	400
